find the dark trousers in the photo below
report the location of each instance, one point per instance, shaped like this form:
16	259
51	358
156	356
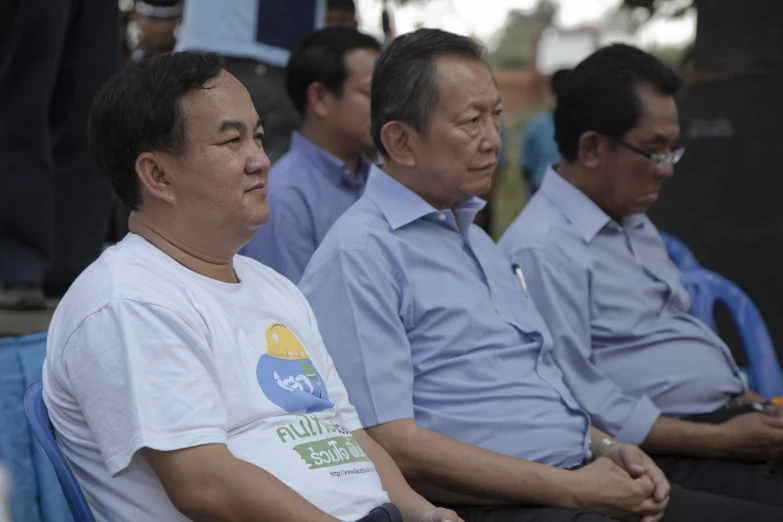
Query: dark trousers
266	85
684	506
54	205
384	513
757	482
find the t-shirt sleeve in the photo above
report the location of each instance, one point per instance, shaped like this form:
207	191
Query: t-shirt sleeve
143	377
358	304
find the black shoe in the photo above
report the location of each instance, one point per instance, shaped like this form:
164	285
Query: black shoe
22	296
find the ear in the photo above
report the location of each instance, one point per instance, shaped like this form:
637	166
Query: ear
152	176
590	148
318	98
400	141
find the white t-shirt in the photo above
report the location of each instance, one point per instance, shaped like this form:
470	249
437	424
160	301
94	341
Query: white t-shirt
143	352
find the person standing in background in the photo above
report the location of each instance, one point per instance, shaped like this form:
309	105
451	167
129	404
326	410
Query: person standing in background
538	148
152	27
341	12
255	39
54	206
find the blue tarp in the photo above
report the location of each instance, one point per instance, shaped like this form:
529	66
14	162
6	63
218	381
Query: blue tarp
35	493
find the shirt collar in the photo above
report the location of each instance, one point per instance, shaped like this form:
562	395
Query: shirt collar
401	206
332	167
581	211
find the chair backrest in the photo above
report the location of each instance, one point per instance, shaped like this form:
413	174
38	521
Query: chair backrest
680	254
706	288
38	417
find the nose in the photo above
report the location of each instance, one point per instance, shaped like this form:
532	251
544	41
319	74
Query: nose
492	140
257	161
666	171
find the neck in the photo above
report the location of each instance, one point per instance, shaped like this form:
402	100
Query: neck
587	182
417	183
190	252
332	143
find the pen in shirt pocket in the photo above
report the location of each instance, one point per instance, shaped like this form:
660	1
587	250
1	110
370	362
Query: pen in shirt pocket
518	272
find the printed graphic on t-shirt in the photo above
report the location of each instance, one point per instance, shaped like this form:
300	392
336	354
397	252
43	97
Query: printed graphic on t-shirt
287	376
306	437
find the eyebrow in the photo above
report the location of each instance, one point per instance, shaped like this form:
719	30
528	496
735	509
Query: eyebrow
239	126
662	140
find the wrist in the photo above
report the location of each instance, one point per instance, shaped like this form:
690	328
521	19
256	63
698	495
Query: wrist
604	447
715	441
570	491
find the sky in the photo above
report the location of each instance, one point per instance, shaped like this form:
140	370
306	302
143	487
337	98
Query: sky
484	18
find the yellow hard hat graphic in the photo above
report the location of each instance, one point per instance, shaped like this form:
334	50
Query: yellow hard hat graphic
282	344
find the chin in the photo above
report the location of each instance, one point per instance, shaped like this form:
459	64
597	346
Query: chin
258	220
484	187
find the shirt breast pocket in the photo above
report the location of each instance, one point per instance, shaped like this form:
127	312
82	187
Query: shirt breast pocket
517	308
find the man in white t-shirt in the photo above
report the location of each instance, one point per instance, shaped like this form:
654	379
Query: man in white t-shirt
184	381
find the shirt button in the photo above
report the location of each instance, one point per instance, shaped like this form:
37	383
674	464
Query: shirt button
442	216
492	285
540	359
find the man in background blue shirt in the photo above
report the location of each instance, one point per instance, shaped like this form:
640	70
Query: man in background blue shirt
444	356
597	268
328	80
538	149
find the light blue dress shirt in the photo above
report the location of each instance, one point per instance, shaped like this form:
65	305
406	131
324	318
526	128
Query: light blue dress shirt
539	149
308	190
425	320
628	348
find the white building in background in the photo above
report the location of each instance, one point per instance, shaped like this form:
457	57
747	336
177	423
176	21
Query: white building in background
564	48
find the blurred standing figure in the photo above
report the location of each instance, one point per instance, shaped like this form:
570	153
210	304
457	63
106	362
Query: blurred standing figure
54	206
341	12
539	149
152	25
255	39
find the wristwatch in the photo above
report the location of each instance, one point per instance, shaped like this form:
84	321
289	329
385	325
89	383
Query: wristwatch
603	445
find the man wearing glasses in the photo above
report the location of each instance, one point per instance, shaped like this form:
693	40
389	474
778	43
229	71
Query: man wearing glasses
646	371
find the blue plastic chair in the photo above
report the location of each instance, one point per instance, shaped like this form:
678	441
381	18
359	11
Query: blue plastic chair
680	254
706	288
38	417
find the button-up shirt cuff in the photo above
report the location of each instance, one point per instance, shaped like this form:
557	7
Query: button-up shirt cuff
744	378
639	423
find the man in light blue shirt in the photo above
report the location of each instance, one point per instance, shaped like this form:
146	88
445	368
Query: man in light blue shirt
324	173
444	356
538	147
597	269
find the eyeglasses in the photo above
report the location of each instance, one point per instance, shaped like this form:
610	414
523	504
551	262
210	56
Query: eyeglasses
660	160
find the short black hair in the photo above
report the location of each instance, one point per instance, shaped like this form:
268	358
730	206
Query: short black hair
321	58
600	94
139	111
558	80
404	83
343	5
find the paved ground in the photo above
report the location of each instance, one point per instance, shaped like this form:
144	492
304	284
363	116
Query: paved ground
13	324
